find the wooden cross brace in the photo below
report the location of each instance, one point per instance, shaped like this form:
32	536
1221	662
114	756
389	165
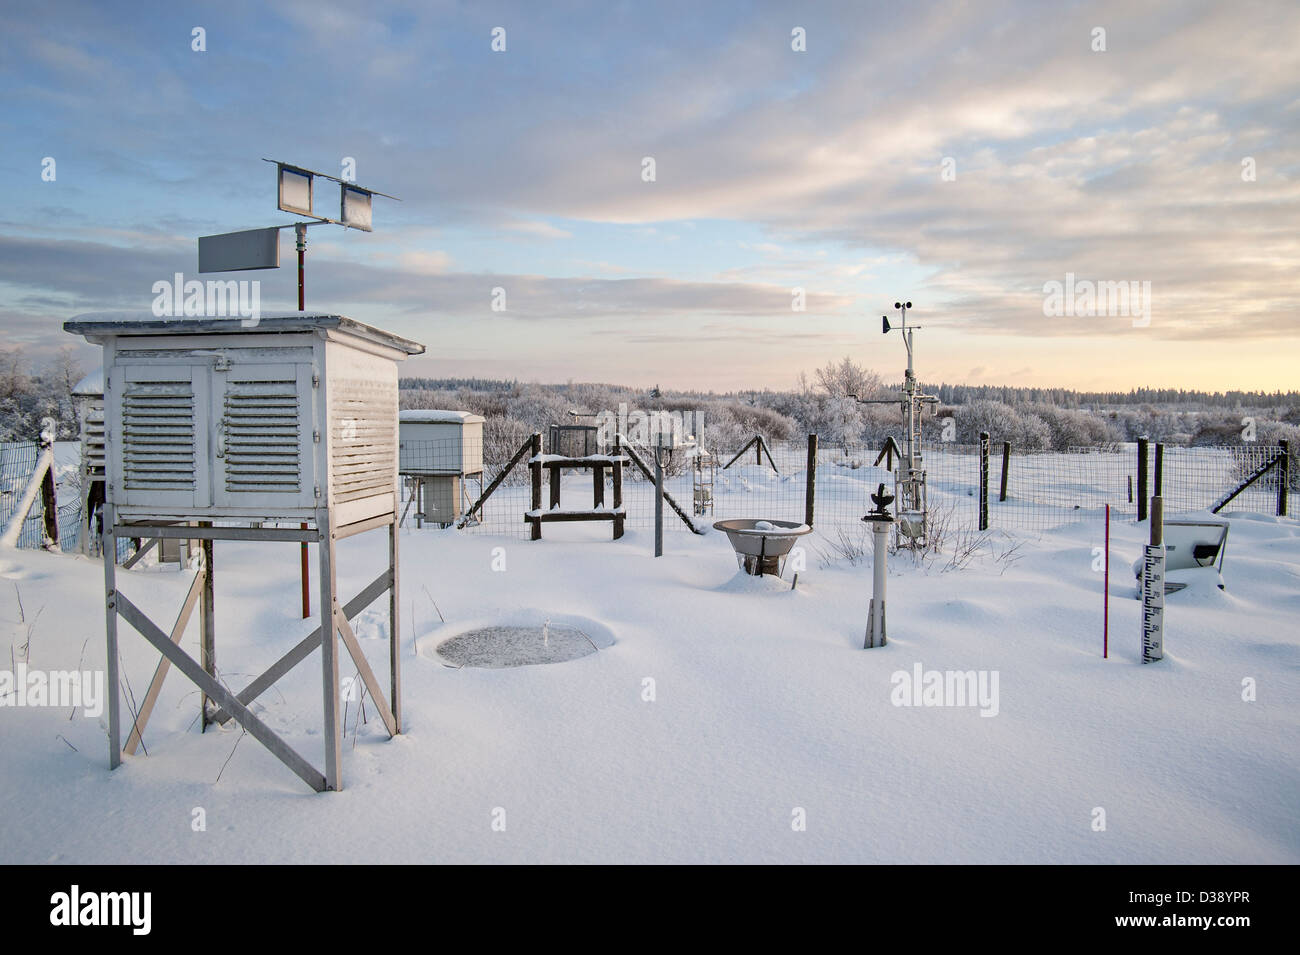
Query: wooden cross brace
235	706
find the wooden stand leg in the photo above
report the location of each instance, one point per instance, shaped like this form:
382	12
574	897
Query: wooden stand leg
394	628
329	653
113	689
207	618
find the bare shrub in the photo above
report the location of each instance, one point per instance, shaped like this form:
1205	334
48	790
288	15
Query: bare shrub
854	546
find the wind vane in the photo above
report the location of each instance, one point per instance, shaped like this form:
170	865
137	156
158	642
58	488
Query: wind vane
260	248
295	190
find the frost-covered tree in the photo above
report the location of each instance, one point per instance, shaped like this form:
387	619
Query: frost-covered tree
847	378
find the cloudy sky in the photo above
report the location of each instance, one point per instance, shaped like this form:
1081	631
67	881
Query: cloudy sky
961	155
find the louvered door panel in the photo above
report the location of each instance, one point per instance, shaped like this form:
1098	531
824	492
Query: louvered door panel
263	435
92	441
157	436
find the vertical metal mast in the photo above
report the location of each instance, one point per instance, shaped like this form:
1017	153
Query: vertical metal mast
910	496
909	393
911	493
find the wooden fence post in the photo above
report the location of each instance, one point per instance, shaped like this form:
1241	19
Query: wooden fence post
618	491
1158	484
984	480
1284	477
810	481
49	492
536	468
50	506
1006	462
1142	478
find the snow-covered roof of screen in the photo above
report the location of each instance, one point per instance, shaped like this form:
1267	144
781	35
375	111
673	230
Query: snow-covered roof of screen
92	384
96	326
431	414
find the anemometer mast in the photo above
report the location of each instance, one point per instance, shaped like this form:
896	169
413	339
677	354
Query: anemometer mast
886	328
910	476
913	401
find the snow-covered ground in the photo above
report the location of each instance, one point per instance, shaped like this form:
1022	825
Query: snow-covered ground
765	710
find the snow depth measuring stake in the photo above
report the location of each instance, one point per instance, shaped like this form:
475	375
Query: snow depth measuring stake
1105	595
1153	588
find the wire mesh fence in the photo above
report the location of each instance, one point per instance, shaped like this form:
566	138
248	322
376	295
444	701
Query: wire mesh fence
1043	489
444	483
17	460
1199	478
17	464
1048	489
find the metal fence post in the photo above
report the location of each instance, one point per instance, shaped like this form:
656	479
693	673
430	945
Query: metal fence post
810	481
659	502
984	480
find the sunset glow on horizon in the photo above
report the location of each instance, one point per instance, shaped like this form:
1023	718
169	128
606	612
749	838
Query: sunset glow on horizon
711	199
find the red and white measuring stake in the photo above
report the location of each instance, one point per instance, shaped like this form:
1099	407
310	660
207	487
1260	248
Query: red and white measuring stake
1105	603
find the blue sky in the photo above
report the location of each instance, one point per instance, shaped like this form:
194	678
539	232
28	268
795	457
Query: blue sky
776	169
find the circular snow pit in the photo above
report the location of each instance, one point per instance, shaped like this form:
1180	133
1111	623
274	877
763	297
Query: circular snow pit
515	646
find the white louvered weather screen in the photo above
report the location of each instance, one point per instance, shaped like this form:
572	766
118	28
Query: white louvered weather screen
260	436
158	436
364	437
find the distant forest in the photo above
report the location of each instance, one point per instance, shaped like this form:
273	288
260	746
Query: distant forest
1065	398
948	394
824	403
1031	418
